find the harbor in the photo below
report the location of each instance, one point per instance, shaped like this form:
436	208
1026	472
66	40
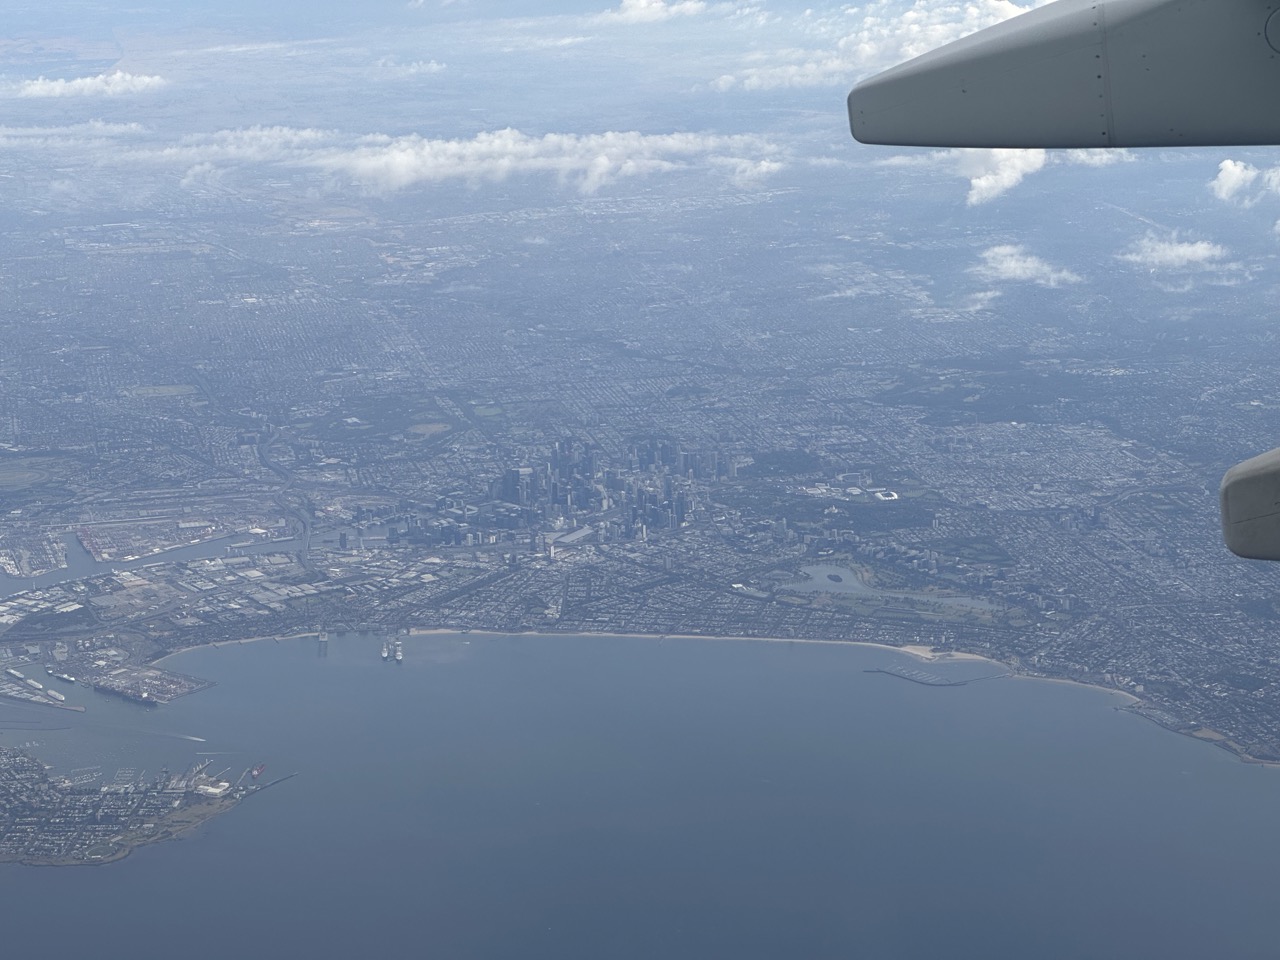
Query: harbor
15	685
140	683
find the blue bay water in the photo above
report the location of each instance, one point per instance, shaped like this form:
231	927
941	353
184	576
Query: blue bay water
629	798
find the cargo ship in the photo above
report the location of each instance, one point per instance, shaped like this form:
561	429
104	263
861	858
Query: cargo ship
386	650
55	695
399	652
15	674
34	684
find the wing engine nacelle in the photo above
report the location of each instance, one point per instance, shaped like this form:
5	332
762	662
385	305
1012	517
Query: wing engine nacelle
1250	500
1082	73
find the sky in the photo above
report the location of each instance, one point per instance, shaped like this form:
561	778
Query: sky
573	98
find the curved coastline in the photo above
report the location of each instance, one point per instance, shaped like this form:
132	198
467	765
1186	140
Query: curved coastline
922	652
233	643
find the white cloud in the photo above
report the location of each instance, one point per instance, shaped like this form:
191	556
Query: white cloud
745	172
1271	180
248	145
994	172
1013	262
990	172
390	66
982	300
1243	184
380	163
1170	253
1095	157
511	44
653	11
885	33
587	161
200	175
288	48
79	139
1233	177
812	70
91	128
103	85
871	37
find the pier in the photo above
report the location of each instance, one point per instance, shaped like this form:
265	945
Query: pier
926	679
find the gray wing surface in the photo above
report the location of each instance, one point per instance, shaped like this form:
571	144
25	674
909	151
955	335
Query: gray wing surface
1075	73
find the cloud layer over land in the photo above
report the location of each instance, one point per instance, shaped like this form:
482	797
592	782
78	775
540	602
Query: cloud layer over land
652	11
1171	253
589	162
380	163
113	84
1013	262
858	40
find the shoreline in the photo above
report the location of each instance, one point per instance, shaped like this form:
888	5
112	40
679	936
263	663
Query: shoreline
922	652
230	643
177	824
1133	698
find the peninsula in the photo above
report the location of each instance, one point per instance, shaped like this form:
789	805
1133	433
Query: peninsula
46	822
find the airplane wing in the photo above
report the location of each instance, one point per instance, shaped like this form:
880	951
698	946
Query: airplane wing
1104	73
1084	73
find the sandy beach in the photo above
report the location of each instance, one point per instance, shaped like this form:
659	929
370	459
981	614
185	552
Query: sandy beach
232	643
920	651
